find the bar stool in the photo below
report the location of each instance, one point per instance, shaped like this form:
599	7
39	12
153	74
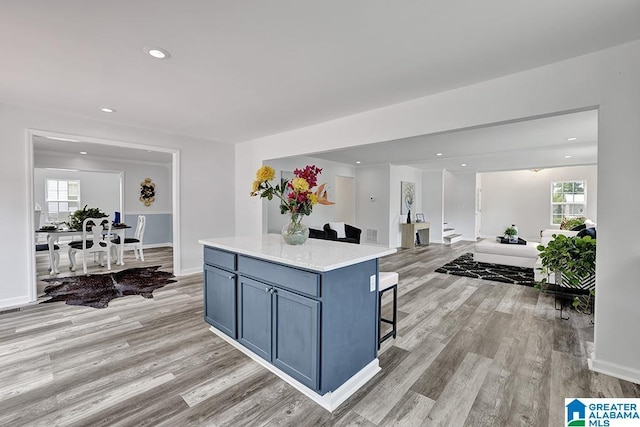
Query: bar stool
387	280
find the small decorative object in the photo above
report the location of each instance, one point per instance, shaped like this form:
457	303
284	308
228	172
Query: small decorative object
76	219
511	233
419	217
407	196
147	192
409	217
296	198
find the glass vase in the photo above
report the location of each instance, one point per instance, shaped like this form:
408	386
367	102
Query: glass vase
295	232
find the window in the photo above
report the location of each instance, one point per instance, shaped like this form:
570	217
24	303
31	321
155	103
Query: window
568	199
63	198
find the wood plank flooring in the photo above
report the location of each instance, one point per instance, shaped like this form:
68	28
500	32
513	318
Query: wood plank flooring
468	353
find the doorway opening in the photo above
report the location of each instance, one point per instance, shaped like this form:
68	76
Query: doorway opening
81	153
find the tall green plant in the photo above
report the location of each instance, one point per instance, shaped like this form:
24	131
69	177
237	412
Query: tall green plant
571	259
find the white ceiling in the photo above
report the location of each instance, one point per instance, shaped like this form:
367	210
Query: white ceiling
74	150
539	143
245	69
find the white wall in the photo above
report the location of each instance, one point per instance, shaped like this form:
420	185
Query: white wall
159	215
433	203
206	196
374	182
133	174
321	214
97	189
478	208
524	198
609	80
397	175
459	203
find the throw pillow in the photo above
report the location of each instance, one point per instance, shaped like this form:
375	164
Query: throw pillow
338	227
587	232
579	227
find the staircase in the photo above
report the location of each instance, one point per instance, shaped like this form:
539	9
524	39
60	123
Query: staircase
449	234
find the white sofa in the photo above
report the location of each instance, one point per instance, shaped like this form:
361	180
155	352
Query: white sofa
545	237
491	251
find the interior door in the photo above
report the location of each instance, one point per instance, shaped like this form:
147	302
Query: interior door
345	210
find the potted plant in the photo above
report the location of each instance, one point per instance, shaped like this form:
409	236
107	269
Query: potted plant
75	221
573	261
511	233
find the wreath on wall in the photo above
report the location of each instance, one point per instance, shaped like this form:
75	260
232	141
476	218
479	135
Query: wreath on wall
147	192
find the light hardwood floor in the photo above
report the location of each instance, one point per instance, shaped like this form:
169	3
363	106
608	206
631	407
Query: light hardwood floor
468	352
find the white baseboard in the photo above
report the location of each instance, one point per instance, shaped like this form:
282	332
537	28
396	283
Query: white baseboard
188	271
614	370
9	303
330	400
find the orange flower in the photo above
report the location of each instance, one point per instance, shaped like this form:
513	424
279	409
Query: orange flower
321	195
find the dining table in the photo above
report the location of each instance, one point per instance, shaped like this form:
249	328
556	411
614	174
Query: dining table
54	234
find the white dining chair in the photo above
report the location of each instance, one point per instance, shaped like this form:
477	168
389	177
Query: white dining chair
135	242
93	231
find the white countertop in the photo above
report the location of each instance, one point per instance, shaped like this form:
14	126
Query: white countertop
315	254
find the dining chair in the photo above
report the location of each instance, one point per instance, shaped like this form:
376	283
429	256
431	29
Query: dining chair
134	242
93	230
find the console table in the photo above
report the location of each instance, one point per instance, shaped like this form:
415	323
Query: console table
308	313
409	234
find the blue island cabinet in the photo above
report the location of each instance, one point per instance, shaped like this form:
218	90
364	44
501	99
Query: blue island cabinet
318	327
281	327
220	292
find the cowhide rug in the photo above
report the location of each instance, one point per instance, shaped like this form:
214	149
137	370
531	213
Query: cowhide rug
96	290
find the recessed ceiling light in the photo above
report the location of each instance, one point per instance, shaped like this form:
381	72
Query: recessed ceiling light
463	165
157	53
438	154
107	110
568	156
61	139
358	162
83	152
573	138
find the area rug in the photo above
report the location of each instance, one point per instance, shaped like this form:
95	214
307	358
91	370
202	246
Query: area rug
97	290
466	266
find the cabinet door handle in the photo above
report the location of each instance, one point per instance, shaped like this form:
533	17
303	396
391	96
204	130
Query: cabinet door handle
273	291
230	277
266	289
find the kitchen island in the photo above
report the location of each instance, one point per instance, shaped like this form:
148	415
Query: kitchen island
308	313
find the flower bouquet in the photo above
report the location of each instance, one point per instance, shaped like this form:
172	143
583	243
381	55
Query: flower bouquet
297	197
